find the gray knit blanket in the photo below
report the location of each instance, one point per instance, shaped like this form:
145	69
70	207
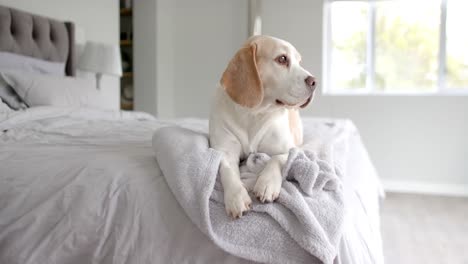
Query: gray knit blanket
303	226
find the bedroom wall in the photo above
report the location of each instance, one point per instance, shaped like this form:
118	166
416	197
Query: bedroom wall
144	56
417	143
208	33
98	19
194	41
155	51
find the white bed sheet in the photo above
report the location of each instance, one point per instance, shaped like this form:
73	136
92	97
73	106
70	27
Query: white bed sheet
83	186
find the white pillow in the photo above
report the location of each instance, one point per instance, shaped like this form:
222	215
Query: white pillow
17	62
37	90
3	107
10	97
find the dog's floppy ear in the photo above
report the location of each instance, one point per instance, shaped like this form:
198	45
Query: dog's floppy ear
241	79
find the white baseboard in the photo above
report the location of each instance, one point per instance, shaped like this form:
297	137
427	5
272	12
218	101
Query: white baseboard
446	189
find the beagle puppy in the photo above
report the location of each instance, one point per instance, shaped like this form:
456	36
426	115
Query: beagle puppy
256	109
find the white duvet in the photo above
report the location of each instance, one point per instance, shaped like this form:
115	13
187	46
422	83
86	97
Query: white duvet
82	186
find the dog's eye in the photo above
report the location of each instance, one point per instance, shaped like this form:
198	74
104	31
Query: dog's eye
282	59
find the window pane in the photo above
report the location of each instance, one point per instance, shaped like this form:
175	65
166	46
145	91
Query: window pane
348	38
457	44
407	45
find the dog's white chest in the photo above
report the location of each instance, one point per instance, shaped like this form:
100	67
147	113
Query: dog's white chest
270	136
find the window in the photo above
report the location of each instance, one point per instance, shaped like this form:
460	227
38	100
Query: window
396	47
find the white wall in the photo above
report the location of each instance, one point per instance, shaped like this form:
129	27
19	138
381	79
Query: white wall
208	33
194	42
144	55
154	40
420	140
98	19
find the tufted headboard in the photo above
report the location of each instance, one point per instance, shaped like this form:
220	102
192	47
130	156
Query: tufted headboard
39	37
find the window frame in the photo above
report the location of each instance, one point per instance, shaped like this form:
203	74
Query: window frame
369	89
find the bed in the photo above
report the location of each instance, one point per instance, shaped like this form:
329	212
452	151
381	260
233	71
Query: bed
81	185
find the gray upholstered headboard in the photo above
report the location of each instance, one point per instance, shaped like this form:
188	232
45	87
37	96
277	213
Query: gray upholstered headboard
39	37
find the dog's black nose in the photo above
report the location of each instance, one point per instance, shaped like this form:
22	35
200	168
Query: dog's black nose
310	82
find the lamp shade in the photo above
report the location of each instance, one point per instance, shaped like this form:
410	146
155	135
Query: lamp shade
101	58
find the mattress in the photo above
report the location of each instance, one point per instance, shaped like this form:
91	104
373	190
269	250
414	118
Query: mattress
83	186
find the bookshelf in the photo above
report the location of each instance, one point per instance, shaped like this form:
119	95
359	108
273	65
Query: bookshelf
126	48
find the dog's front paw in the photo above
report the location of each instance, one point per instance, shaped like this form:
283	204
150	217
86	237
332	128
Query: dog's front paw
267	187
237	202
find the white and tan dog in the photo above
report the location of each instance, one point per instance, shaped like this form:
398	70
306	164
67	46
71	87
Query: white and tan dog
256	110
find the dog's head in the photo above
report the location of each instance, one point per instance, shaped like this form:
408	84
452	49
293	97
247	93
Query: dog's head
266	71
